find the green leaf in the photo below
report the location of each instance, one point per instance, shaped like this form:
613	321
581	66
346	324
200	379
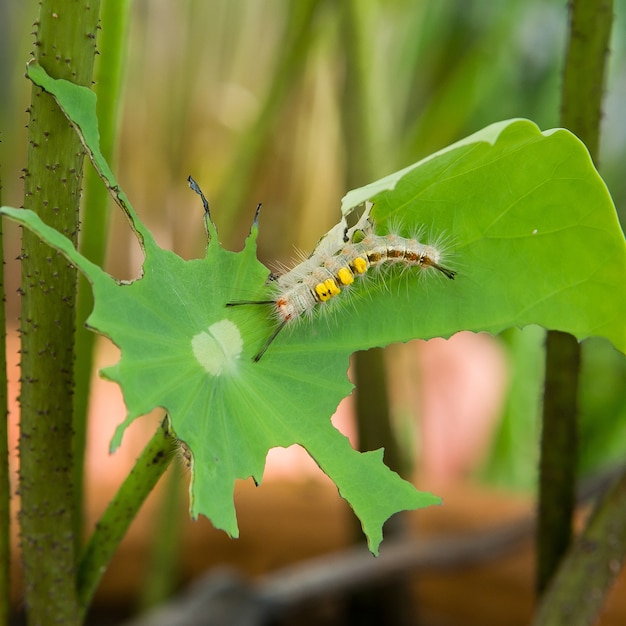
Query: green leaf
532	233
183	350
79	105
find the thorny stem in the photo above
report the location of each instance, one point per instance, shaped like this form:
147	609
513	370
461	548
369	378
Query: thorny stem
5	485
65	47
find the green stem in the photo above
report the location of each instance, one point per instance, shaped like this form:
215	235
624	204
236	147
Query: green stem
166	534
584	71
65	47
375	429
581	584
558	462
5	483
583	80
121	511
115	16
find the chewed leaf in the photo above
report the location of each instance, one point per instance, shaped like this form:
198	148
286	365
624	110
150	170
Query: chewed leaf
532	231
184	351
533	237
79	105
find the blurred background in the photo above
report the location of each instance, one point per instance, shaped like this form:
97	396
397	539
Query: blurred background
292	103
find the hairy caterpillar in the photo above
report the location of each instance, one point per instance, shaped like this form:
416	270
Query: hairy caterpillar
327	271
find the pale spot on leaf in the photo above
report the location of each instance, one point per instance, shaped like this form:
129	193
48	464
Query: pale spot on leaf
218	348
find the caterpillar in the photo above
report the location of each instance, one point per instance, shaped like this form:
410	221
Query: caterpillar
330	269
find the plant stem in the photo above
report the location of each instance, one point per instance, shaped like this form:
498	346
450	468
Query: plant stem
121	511
558	462
584	71
590	27
166	534
115	16
65	47
5	482
580	586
